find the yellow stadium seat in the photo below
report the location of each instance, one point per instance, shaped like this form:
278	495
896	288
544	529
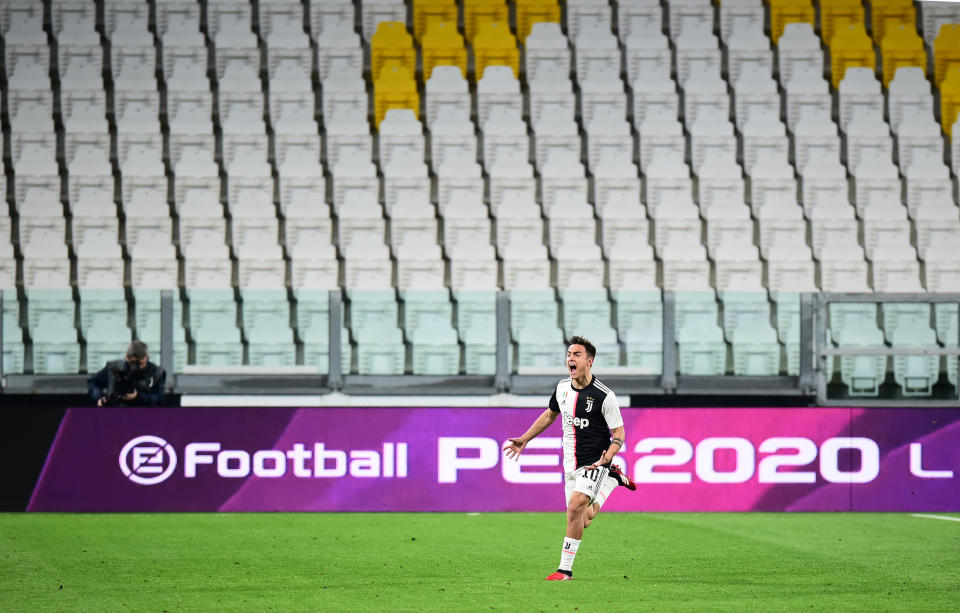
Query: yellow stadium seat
495	45
850	46
946	50
950	99
395	88
427	11
783	12
476	12
442	44
392	44
901	46
530	12
885	14
836	13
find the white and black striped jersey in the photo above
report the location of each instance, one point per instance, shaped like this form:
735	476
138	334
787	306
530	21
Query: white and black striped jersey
587	416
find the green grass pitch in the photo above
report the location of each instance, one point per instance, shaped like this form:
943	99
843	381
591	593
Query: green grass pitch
477	562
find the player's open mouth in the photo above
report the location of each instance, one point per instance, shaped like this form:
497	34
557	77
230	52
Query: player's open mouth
572	367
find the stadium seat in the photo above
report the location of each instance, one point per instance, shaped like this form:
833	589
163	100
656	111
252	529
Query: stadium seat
212	317
875	177
698	52
849	46
427	317
23	23
109	303
814	137
844	314
909	314
886	15
340	50
476	319
374	12
534	329
392	44
373	325
596	54
639	319
901	46
529	12
918	135
788	326
755	349
785	12
266	327
546	51
448	96
478	12
932	17
946	51
443	45
642	18
860	93
498	93
763	134
687	15
281	26
746	16
838	13
705	93
928	178
695	304
435	351
495	45
426	13
950	99
743	309
587	14
748	50
700	348
861	374
395	88
55	346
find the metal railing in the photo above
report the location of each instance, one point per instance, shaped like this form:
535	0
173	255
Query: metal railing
811	382
824	351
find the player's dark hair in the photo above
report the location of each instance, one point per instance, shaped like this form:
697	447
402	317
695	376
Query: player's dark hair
579	340
137	350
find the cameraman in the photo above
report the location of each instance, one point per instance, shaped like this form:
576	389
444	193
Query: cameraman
133	380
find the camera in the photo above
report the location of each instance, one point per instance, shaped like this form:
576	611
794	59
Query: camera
123	381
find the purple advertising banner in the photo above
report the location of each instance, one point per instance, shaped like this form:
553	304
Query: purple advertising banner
437	459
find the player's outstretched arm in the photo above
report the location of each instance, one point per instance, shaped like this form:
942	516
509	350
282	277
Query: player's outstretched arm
515	446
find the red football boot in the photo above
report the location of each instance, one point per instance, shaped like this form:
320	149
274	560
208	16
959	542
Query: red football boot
623	479
560	576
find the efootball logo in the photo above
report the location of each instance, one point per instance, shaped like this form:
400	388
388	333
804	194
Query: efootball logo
148	460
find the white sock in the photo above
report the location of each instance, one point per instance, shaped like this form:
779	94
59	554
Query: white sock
569	552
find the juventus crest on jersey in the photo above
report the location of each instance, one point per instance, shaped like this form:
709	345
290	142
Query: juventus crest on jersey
587	416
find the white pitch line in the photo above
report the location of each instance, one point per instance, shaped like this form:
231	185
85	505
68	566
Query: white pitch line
944	517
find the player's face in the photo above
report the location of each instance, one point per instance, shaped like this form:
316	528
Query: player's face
578	362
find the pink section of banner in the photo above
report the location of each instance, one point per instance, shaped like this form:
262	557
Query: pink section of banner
724	460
